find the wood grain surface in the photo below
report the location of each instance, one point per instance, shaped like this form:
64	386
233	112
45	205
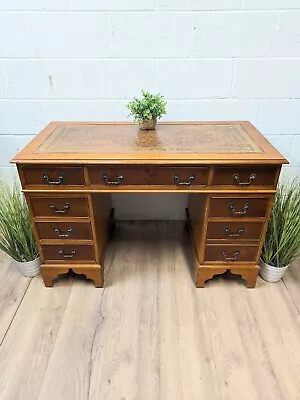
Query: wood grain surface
226	142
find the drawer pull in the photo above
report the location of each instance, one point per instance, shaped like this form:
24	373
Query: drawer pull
239	213
116	182
236	178
234	258
61	234
234	234
62	211
183	183
58	182
71	255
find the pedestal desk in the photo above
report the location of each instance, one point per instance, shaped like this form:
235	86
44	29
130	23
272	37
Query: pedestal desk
229	170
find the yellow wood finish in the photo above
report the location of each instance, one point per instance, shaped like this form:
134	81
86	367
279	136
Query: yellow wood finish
155	154
69	170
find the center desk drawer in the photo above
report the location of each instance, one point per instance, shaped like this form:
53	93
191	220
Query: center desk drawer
53	177
69	253
180	177
231	207
64	230
245	177
52	206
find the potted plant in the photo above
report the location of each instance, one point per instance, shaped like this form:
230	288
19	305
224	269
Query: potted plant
16	232
282	241
148	109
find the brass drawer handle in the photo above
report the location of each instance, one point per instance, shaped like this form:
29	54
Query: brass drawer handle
62	211
237	181
239	232
66	255
61	234
183	183
116	182
234	258
58	182
239	213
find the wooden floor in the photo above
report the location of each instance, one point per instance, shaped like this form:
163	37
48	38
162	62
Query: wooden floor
149	334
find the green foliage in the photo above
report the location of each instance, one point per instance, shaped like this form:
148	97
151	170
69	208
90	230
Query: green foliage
282	241
16	233
148	107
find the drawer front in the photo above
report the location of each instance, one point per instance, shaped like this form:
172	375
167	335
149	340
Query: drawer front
59	207
238	207
53	177
234	230
64	230
68	253
245	177
230	253
180	177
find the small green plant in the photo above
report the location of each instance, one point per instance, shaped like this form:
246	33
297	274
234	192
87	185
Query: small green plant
16	233
282	241
150	106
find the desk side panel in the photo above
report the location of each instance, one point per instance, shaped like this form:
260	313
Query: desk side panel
198	208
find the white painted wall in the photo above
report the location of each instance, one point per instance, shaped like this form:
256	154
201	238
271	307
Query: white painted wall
212	59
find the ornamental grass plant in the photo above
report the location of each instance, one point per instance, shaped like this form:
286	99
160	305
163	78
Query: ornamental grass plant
16	232
282	241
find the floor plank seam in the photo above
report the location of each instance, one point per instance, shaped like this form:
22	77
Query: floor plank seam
290	296
264	345
211	346
93	341
15	313
58	329
158	280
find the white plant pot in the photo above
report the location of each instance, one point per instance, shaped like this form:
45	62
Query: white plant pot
29	268
270	273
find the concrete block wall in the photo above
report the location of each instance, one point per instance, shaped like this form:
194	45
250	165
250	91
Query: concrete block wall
212	59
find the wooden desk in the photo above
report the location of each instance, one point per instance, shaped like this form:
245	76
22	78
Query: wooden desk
229	170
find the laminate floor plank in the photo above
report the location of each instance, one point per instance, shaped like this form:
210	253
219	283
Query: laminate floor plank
278	322
27	347
126	353
13	287
187	367
291	280
68	371
242	363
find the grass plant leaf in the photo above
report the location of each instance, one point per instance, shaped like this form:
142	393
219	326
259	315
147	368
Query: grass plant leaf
282	240
16	232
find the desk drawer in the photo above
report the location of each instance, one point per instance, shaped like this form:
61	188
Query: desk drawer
180	177
228	207
230	253
52	206
69	253
245	177
64	230
53	177
234	230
